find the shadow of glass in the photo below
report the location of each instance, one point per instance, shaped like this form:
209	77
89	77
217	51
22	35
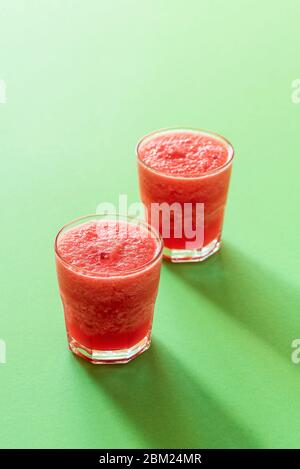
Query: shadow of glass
167	406
263	303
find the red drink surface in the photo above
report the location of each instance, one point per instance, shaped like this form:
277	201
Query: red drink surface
184	154
108	273
185	166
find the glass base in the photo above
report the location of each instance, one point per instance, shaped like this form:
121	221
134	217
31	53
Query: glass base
192	255
109	356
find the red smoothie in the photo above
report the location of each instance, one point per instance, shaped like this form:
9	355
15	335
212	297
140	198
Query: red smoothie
186	167
108	274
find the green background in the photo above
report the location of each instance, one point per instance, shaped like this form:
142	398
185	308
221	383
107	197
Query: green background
85	80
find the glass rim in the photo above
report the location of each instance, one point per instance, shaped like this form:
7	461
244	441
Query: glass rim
229	147
117	215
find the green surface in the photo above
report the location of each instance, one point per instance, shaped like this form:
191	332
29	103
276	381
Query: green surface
86	79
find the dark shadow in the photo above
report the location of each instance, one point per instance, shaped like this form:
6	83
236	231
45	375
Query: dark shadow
262	302
167	406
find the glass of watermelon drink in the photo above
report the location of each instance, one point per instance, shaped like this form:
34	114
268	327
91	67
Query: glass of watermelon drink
184	177
108	269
